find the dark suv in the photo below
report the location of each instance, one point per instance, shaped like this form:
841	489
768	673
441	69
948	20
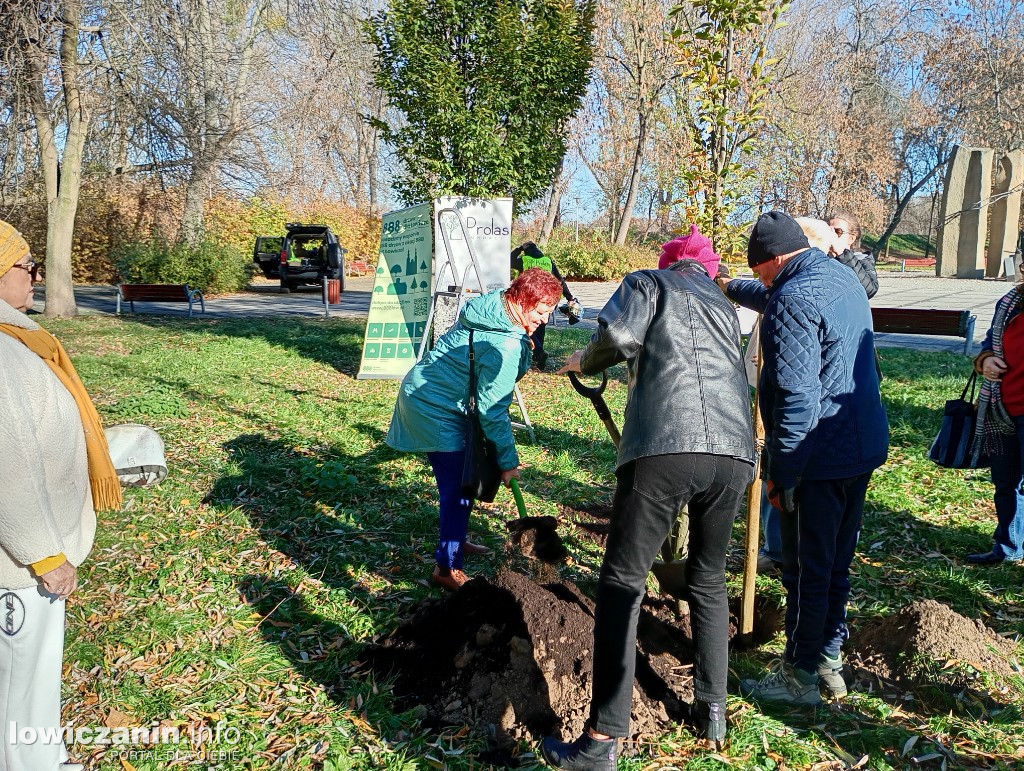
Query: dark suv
307	254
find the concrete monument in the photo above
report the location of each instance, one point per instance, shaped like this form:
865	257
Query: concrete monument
1002	240
964	221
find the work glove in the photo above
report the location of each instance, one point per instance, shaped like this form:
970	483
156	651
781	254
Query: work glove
782	498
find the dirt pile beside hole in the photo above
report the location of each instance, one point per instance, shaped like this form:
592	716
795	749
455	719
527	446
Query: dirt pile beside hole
914	646
512	658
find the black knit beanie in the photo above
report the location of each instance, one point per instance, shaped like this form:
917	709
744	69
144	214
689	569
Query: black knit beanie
774	233
531	249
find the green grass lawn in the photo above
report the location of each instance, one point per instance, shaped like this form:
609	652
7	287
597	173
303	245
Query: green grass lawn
902	245
287	536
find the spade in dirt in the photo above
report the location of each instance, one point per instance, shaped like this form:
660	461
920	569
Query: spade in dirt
536	536
670	570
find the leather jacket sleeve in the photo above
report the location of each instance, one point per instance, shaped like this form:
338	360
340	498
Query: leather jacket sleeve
621	325
863	267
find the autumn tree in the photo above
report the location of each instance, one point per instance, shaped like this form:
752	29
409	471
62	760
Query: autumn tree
634	73
46	64
854	124
198	73
725	52
324	92
484	91
978	67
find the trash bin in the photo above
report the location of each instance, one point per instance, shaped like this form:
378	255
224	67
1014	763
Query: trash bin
332	291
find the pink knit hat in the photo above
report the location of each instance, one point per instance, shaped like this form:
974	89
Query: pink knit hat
691	247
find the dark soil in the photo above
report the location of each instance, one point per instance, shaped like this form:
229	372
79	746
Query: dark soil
591	522
920	642
512	658
537	538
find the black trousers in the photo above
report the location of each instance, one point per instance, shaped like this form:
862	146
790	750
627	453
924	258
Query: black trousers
649	495
818	544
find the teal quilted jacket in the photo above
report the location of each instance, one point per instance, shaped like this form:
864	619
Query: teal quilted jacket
430	412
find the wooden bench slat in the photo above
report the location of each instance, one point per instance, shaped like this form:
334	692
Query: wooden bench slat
925	321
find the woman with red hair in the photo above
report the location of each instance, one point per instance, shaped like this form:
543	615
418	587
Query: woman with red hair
430	414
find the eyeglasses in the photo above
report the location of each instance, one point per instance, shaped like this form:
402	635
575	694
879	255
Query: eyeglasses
33	268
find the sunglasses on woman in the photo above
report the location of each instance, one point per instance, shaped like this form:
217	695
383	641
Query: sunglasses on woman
32	267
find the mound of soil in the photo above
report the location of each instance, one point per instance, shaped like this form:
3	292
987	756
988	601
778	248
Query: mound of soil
512	658
909	648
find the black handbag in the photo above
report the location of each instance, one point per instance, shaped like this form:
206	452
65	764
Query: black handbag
481	476
954	445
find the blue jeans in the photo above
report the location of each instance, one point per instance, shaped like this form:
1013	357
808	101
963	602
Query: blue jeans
1008	478
771	527
454	507
818	543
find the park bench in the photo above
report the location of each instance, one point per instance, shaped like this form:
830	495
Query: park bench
159	293
916	262
926	321
356	267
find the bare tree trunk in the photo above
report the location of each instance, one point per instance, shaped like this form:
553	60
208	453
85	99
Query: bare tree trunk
62	175
193	218
634	183
554	205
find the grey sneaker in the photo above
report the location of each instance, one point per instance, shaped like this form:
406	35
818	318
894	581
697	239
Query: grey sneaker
784	684
830	675
766	566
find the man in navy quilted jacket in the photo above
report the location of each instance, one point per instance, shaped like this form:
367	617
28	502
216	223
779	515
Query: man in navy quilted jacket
826	431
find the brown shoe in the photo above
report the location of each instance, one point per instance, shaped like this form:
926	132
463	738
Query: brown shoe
449	579
476	549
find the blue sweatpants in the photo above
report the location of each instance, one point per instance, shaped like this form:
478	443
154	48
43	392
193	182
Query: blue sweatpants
454	507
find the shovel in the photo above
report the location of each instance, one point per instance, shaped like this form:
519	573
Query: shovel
518	495
547	546
670	570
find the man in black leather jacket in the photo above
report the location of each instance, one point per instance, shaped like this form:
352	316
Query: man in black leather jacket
687	440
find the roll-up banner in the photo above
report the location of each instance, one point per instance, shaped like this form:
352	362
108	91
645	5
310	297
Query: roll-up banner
401	294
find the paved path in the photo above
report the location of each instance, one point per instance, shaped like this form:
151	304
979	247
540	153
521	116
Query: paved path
895	291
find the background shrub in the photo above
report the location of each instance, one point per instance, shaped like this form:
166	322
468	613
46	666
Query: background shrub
116	215
214	268
595	259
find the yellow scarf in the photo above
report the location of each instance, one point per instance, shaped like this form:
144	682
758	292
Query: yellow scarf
106	489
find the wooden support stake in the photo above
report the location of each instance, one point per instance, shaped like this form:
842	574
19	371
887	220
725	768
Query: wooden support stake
753	510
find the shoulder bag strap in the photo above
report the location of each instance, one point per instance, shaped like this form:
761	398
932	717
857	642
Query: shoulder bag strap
471	400
971	386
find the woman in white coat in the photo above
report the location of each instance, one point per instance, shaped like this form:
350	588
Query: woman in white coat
55	473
